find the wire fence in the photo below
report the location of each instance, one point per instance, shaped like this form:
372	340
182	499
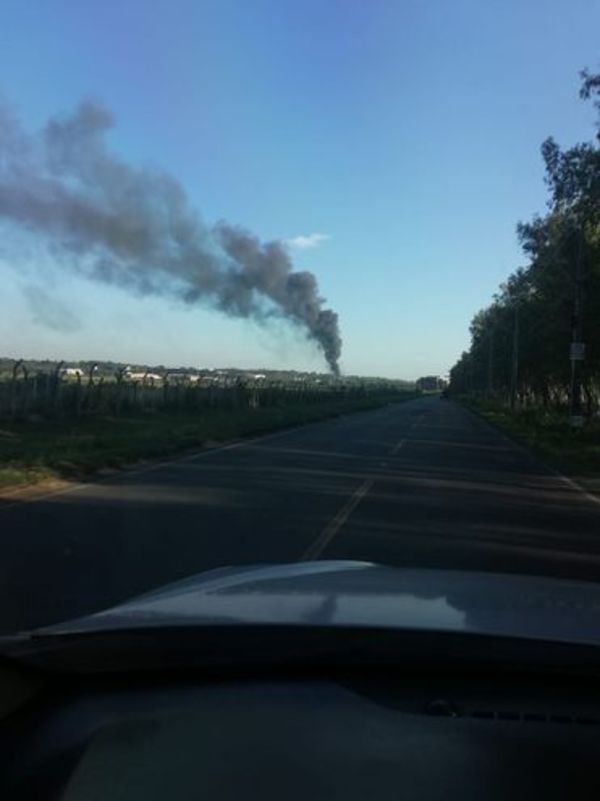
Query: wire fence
56	394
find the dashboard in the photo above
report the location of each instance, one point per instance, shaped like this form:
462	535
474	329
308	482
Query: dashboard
369	735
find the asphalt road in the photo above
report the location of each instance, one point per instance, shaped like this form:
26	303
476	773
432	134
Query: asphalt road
421	483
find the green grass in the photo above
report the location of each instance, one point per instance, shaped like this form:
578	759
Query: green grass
548	434
34	451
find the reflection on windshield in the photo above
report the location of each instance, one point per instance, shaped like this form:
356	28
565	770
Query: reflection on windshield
265	607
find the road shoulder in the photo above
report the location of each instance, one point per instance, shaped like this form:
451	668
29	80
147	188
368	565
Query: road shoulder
586	482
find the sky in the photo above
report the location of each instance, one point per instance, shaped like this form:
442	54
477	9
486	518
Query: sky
392	144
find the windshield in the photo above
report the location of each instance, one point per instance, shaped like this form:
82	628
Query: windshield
291	282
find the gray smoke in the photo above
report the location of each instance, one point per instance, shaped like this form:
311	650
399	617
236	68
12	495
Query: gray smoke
134	227
50	311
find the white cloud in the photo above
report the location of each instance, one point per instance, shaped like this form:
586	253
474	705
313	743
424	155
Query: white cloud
307	241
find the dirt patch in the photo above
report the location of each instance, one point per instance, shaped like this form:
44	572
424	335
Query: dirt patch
31	492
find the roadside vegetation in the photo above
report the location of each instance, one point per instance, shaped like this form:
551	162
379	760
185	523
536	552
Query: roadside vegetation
547	433
521	343
68	446
533	365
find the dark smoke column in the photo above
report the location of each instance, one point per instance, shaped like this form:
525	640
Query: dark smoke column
134	227
266	270
327	333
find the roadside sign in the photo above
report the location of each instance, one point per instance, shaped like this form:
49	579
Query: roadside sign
576	421
577	353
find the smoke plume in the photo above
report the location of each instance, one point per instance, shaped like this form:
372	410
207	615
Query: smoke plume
50	311
134	227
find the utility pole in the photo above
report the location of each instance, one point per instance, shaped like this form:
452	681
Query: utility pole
514	376
469	376
577	353
490	376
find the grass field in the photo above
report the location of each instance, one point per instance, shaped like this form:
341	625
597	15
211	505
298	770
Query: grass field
34	451
549	435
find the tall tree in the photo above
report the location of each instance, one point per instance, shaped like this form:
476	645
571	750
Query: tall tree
520	343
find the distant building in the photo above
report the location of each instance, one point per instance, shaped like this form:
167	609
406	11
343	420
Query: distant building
181	377
72	372
138	375
431	383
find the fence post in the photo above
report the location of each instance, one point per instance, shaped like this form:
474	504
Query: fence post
119	399
90	386
56	390
165	390
14	392
78	396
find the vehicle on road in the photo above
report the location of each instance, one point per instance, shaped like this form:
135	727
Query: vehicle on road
316	680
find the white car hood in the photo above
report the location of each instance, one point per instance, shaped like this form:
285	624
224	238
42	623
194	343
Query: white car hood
362	594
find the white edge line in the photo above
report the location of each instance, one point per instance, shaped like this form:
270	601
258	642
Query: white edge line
577	486
570	482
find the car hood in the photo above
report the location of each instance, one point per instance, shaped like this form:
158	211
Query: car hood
365	595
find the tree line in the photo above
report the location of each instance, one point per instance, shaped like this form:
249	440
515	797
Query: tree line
538	342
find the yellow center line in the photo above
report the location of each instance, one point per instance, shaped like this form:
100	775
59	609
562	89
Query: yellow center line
316	548
399	445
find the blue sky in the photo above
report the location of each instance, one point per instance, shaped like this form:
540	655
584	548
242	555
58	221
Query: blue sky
405	132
